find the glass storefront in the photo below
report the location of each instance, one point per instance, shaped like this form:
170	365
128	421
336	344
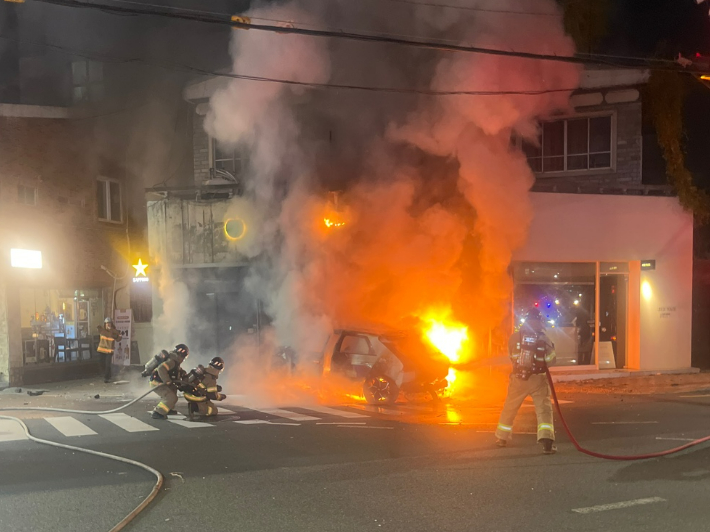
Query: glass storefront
566	293
59	325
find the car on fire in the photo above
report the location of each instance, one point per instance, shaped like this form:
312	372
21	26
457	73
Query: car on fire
386	363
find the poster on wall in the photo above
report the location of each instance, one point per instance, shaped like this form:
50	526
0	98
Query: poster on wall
123	320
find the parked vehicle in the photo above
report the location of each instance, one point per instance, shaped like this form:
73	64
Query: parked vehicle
387	364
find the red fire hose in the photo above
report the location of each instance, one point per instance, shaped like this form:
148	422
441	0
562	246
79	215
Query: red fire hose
611	456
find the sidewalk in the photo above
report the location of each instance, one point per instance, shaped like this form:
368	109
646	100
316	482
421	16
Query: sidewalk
637	385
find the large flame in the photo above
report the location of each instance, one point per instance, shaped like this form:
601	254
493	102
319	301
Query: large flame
448	336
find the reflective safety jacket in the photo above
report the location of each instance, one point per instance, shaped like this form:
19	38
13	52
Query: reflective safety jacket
108	340
207	389
169	370
531	352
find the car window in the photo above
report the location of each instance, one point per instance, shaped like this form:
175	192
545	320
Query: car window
355	345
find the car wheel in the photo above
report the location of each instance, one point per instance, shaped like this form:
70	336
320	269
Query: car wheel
380	390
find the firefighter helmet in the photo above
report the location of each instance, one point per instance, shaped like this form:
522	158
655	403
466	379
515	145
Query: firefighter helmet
108	320
534	320
217	363
182	350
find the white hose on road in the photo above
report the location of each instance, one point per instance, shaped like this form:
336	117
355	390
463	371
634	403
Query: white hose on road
158	475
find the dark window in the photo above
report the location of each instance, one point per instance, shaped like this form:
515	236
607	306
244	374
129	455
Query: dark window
228	159
574	144
108	199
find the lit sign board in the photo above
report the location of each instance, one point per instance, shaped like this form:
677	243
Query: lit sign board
648	265
26	258
140	279
140	269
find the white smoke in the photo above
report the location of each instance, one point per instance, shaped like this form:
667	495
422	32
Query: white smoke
434	187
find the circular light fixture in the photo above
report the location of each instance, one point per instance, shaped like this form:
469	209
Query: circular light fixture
235	229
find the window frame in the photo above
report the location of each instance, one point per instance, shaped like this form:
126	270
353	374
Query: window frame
213	159
93	90
107	200
34	189
588	171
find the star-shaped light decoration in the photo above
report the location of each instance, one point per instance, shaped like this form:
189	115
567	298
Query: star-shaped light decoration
140	268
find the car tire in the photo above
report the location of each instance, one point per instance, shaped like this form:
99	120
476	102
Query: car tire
380	390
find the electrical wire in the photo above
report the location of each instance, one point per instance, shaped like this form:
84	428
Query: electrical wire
127	6
612	456
160	480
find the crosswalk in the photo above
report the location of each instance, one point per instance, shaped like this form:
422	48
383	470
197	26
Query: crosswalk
76	426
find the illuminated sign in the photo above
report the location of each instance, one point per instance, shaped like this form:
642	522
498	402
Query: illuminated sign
140	279
140	268
648	265
235	229
26	258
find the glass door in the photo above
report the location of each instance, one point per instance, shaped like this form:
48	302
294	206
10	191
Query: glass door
613	310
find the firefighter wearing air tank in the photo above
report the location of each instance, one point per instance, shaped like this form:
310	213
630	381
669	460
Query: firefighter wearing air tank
205	389
531	352
167	373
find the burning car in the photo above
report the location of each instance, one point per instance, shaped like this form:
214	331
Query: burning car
387	364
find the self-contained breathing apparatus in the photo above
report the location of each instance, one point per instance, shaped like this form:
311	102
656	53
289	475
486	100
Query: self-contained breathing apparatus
531	360
154	362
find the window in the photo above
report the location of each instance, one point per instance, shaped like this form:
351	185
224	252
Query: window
571	145
229	159
108	199
26	195
88	81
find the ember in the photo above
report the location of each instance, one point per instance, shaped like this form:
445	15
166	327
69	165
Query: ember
331	223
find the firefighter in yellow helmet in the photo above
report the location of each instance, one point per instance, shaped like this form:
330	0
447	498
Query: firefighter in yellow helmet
206	390
168	373
531	352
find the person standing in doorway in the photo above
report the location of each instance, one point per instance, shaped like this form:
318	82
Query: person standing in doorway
109	336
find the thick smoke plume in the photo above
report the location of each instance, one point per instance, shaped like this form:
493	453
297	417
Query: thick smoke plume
433	194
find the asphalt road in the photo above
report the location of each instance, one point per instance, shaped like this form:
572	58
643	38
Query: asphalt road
412	468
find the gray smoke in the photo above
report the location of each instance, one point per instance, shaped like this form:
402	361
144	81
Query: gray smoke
435	195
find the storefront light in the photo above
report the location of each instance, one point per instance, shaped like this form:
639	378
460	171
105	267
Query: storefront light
26	258
646	290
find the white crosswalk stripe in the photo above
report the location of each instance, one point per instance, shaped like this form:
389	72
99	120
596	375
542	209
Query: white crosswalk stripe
264	422
128	423
288	415
11	431
70	426
335	412
189	424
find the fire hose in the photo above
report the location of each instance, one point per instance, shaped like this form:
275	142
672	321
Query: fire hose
159	477
611	456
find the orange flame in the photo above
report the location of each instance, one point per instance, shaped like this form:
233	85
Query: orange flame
331	223
449	336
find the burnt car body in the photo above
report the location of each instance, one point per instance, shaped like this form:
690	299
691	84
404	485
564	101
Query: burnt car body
387	364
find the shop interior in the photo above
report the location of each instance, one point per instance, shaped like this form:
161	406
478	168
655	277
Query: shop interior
59	326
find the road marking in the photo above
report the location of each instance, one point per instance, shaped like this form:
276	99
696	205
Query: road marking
190	424
264	422
344	423
288	415
379	409
618	505
11	431
560	401
692	396
674	439
335	412
363	427
623	422
128	423
69	426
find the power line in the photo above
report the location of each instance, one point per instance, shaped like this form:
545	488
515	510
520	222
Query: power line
241	23
205	72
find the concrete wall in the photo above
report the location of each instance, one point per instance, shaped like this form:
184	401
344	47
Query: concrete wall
581	228
201	149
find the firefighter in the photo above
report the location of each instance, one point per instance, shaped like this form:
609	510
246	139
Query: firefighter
206	390
531	352
167	373
109	335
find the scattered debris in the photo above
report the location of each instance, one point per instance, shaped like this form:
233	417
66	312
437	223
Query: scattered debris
97	396
35	394
178	475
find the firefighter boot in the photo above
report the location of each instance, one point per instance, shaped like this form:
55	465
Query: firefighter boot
501	443
548	446
158	415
